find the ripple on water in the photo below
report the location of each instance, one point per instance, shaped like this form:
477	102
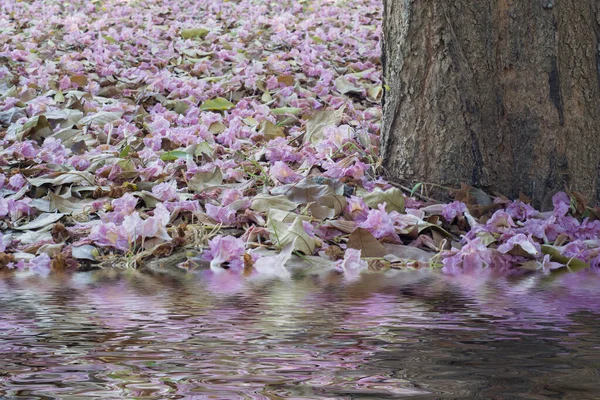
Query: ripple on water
414	335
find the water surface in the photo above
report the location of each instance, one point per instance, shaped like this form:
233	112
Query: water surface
109	334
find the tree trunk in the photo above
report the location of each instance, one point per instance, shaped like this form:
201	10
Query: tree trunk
500	94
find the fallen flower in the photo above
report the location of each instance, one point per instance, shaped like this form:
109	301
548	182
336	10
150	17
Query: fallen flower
526	243
352	265
40	265
109	235
225	251
454	209
472	258
274	266
381	223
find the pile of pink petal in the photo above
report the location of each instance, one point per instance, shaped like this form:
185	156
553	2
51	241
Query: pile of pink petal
241	133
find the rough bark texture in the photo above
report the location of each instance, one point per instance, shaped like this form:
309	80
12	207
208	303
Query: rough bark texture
500	94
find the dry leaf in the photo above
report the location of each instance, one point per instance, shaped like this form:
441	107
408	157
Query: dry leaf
361	239
322	119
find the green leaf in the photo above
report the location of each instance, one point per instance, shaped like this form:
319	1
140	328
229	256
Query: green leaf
100	118
415	188
286	110
218	104
486	238
194	33
125	152
173	155
283	234
59	97
85	252
265	202
287	217
393	199
271	131
573	264
179	106
204	180
64	179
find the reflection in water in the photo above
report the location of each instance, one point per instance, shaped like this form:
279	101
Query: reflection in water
402	335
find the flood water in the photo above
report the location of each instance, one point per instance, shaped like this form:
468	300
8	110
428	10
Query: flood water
418	335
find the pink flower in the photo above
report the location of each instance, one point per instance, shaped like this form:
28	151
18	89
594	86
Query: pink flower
561	203
274	266
526	243
25	149
335	138
381	224
357	209
454	209
588	230
3	207
109	235
520	211
223	215
225	249
40	265
165	191
4	243
352	265
231	195
80	163
64	83
125	205
152	227
309	228
279	150
15	208
160	125
185	205
20	265
346	167
548	266
472	258
16	182
576	249
284	174
500	222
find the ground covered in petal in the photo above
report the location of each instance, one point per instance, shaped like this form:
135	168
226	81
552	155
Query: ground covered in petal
234	135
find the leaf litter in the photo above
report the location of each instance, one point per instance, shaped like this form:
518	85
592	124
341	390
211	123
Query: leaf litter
129	133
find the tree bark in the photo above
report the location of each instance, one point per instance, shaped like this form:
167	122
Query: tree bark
500	94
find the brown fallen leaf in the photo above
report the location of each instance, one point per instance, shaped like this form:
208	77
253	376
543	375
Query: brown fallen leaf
287	80
334	252
398	252
342	225
361	239
5	259
248	264
59	233
377	265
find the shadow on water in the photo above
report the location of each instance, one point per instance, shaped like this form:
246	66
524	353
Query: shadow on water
402	335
